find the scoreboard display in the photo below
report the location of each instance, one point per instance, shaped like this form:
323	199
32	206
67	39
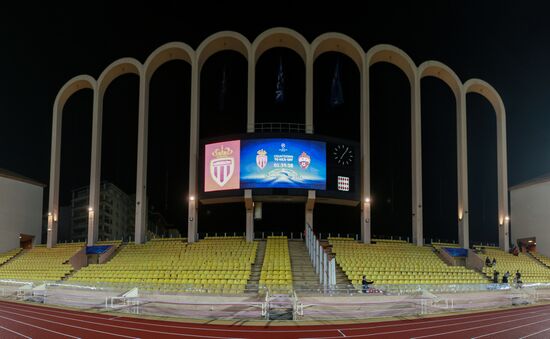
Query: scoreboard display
298	162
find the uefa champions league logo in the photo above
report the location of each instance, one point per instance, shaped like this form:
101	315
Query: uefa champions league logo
283	148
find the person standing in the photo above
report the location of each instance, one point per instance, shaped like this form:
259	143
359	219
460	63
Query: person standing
495	276
505	277
365	284
518	278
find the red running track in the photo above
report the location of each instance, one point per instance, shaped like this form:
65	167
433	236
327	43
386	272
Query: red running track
30	321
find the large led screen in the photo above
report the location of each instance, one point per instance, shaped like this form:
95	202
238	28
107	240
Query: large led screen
265	163
283	163
221	166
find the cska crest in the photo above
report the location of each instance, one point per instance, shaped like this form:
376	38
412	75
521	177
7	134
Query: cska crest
222	166
304	160
261	158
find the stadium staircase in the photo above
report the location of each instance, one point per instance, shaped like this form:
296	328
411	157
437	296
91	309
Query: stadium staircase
303	273
254	281
341	277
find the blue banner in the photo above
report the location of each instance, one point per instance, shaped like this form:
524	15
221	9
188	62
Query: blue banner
98	249
283	163
456	252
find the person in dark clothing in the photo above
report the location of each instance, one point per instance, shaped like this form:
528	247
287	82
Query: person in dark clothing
505	277
365	284
518	278
495	276
494	262
487	262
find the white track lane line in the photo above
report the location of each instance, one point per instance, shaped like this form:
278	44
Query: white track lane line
67	325
343	335
106	325
40	328
432	327
211	328
476	327
15	332
510	329
535	333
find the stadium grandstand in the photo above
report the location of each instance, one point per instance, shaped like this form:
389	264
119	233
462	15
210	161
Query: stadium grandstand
268	270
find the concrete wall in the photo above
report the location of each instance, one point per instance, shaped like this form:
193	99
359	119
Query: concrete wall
80	259
530	206
20	212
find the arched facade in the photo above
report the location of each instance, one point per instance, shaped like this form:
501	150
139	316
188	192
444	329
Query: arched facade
71	87
272	38
488	92
163	54
395	56
448	76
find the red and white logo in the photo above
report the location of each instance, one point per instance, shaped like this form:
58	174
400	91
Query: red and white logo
261	158
222	166
343	184
304	160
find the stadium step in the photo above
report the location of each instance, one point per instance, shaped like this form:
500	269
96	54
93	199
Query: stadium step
256	270
303	273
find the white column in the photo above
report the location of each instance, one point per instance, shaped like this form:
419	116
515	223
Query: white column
310	205
141	181
462	170
95	171
366	222
193	155
416	162
251	119
365	156
502	175
320	260
249	206
53	208
309	95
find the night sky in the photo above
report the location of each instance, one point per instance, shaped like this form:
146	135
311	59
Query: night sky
507	46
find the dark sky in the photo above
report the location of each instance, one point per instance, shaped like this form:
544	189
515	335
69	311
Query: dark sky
504	43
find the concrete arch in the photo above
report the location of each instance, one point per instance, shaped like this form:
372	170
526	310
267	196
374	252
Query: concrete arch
436	69
225	40
72	86
286	38
341	43
116	69
280	37
165	53
488	92
222	41
441	71
397	57
170	51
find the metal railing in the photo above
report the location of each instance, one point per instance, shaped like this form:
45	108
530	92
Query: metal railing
286	127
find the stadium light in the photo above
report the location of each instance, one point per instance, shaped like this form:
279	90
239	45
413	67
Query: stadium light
506	218
367	200
90	209
192	198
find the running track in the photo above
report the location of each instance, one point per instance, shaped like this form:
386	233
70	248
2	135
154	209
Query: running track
30	321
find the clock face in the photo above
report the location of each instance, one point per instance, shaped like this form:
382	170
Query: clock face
343	155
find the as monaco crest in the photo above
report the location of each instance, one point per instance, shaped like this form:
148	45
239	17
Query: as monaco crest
304	160
222	166
261	158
